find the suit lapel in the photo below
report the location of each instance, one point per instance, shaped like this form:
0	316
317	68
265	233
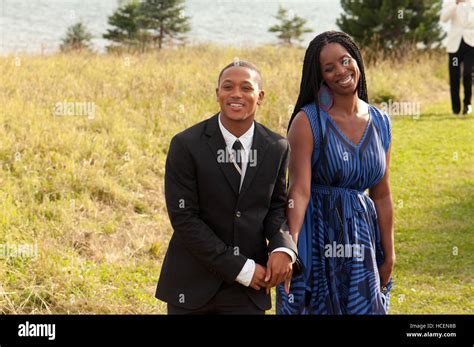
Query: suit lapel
258	149
218	147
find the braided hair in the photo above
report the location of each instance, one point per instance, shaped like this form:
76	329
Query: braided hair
312	76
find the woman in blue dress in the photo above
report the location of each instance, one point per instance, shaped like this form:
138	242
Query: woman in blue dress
340	147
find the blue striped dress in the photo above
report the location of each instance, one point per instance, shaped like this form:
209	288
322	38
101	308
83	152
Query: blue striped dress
339	242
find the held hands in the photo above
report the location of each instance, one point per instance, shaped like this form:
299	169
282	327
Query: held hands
258	279
279	268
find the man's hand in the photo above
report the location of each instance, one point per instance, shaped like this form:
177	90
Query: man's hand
258	279
279	269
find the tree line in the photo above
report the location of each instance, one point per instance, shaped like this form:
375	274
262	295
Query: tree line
377	25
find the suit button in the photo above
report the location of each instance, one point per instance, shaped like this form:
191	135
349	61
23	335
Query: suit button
238	214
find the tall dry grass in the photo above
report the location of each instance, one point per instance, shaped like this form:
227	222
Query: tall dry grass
89	190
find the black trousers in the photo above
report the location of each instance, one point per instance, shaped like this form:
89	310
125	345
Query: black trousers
229	299
464	55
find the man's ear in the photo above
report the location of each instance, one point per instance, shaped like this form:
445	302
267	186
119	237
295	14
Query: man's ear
217	94
261	94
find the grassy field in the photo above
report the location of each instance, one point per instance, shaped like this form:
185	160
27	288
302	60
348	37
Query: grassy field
87	191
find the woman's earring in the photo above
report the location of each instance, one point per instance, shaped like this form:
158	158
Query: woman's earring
325	97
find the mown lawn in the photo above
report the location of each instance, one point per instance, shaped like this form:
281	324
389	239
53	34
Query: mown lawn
433	192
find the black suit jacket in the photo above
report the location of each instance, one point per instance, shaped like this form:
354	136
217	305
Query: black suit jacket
216	228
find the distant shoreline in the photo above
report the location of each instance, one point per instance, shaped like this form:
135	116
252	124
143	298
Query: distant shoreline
199	45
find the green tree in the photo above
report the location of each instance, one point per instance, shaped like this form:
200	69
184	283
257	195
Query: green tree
392	25
126	28
291	27
164	20
77	38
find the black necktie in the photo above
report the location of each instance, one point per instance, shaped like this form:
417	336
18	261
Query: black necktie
237	153
237	147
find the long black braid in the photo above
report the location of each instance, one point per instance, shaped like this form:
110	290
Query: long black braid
312	76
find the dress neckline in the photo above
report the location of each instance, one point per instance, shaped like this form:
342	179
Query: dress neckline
364	134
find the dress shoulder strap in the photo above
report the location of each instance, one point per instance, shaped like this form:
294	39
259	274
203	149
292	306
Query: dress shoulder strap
310	110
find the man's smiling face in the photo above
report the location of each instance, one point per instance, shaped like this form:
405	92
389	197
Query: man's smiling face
238	93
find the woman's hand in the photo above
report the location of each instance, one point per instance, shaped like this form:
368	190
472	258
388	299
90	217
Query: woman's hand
385	272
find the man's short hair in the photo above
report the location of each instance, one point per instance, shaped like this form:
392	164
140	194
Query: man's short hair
246	64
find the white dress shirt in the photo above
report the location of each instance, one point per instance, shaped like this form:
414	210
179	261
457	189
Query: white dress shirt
246	274
462	23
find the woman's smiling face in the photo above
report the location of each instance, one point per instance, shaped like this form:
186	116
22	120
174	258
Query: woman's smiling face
339	69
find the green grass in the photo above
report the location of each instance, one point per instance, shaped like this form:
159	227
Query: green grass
433	192
89	192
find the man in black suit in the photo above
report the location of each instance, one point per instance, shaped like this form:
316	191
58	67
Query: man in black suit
225	187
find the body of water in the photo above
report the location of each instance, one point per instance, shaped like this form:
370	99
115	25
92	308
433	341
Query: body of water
36	25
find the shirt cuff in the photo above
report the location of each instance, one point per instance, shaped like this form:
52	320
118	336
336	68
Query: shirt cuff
246	274
287	251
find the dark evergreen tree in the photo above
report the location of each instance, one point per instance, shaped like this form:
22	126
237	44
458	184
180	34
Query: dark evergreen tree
126	28
164	20
291	27
77	38
392	24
